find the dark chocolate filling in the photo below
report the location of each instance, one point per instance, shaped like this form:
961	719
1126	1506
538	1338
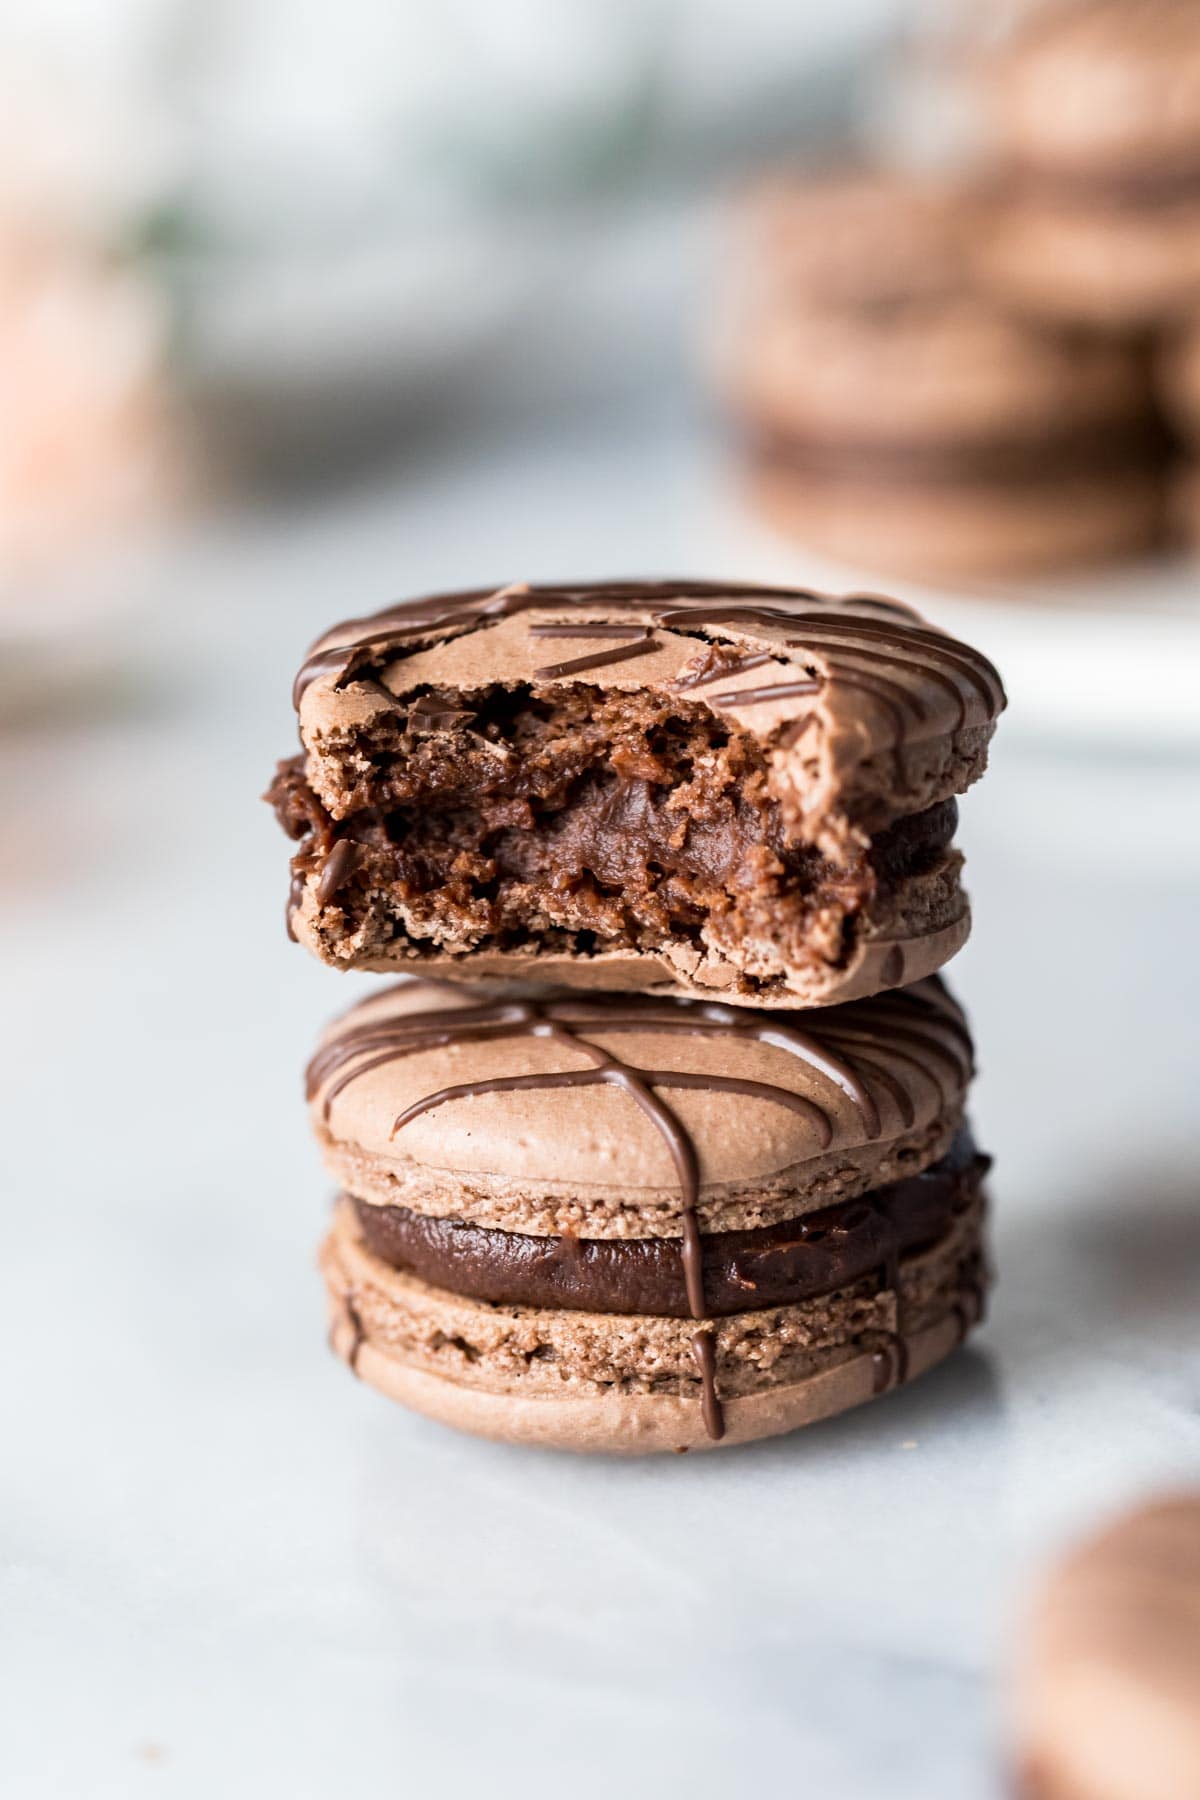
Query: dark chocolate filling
778	1265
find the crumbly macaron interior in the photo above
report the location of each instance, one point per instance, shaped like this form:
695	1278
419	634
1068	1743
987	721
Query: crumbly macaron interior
577	818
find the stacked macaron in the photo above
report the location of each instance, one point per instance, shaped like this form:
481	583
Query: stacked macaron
977	376
898	414
660	1141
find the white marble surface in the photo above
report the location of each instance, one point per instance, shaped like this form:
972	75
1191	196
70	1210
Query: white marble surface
227	1568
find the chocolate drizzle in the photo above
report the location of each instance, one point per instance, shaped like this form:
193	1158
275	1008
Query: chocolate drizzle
704	1350
889	1363
599	659
356	1325
861	638
364	1044
432	713
971	1305
782	690
736	666
295	895
340	865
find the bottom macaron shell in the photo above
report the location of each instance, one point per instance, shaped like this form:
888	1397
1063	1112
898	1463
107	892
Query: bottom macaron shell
915	931
963	530
877	963
630	1384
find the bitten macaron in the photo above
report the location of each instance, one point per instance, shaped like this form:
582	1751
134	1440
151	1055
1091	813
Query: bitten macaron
701	787
620	1223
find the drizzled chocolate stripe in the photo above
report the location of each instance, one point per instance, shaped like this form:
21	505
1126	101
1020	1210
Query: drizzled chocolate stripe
738	666
295	896
782	690
371	1043
599	659
864	637
593	629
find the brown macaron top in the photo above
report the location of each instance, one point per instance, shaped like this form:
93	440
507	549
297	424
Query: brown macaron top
842	687
614	1116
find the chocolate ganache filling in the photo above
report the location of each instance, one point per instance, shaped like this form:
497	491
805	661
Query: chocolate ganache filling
777	1265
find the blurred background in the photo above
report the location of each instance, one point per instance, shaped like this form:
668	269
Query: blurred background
305	307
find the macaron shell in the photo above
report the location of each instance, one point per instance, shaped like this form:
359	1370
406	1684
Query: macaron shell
578	1140
592	1382
913	933
636	1425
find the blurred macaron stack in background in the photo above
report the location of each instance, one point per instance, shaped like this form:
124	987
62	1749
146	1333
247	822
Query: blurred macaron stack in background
1095	122
90	454
894	414
976	363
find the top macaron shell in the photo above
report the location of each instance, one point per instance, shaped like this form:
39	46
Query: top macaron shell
888	683
589	1158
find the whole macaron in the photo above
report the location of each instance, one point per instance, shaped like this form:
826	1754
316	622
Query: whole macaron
621	1223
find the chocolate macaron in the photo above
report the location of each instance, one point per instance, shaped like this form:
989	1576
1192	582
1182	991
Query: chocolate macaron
692	787
1097	126
1108	1701
896	417
621	1223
